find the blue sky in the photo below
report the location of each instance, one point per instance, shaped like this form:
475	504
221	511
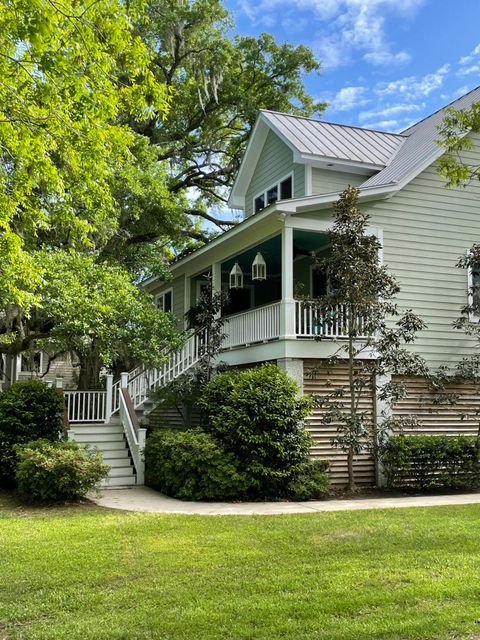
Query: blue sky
386	63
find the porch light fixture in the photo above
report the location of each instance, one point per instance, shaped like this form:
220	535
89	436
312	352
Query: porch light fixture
259	268
236	277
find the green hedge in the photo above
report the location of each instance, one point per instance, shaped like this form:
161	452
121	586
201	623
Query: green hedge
432	462
189	465
29	410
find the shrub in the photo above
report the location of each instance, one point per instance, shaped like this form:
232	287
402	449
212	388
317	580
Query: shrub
432	462
29	410
190	465
312	482
62	470
256	415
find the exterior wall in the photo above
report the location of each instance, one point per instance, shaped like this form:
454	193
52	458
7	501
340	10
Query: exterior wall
61	368
298	180
426	229
440	419
274	163
321	380
327	181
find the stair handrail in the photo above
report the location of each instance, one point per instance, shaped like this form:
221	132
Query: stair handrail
134	433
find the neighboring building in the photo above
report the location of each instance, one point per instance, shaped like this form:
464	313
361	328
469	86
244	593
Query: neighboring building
59	372
293	171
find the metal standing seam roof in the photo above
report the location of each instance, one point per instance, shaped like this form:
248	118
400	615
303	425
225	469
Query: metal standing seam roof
420	145
335	141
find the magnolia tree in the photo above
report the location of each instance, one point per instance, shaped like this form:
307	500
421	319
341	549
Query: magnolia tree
374	331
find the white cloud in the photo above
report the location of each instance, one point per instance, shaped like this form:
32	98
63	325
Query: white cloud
414	87
471	56
466	71
348	98
384	125
342	28
389	111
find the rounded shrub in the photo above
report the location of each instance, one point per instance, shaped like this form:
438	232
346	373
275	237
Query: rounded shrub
29	410
312	482
62	470
256	415
189	465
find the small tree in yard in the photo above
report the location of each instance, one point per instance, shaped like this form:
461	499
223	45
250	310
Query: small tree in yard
373	329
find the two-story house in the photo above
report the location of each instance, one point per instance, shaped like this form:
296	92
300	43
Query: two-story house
292	172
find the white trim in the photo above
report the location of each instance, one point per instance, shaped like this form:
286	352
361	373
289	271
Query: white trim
308	180
162	295
265	191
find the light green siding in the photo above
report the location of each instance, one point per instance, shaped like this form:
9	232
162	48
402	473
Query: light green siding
426	228
326	181
274	163
298	180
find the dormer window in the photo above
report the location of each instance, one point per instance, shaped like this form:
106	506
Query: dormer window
282	190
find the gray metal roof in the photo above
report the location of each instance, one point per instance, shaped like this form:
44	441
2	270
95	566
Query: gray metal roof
420	146
335	141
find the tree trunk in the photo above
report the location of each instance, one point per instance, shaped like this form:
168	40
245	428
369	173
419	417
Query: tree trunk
352	487
351	380
90	367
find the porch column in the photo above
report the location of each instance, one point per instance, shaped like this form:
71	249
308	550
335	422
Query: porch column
217	276
186	298
287	307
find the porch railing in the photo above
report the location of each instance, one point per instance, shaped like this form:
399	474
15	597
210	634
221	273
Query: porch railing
86	406
257	325
311	321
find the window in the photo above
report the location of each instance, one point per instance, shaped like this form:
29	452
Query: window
474	292
281	191
272	195
164	301
31	362
286	189
259	202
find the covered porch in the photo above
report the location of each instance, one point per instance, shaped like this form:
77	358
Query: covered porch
272	286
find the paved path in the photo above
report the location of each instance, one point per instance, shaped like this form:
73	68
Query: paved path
150	501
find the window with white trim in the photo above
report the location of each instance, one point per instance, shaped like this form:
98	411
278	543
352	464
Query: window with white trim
164	300
282	190
31	362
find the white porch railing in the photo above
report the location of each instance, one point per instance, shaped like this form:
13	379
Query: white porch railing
242	329
86	406
256	325
311	322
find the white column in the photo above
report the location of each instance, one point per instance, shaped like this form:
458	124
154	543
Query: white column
294	368
109	397
187	297
124	380
217	276
287	308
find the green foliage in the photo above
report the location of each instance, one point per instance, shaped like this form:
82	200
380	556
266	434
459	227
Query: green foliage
256	415
312	482
28	411
191	466
61	470
454	138
432	462
61	136
108	319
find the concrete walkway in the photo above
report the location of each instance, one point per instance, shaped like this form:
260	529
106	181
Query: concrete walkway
150	501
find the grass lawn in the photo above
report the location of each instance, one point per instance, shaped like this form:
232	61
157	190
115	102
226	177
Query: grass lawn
84	572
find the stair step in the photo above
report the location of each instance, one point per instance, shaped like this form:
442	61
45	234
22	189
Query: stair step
117	462
95	429
120	481
124	472
108	446
115	454
96	438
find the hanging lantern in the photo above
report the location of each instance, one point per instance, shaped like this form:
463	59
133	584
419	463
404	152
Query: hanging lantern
236	277
259	268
